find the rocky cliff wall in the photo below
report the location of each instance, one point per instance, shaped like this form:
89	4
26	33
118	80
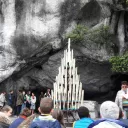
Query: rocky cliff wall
33	39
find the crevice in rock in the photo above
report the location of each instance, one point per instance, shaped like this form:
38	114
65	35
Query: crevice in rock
19	7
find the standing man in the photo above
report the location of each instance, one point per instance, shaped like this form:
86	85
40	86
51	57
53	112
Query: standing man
11	99
2	99
19	102
121	95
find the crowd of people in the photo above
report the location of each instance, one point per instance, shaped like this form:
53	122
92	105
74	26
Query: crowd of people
111	117
20	100
112	114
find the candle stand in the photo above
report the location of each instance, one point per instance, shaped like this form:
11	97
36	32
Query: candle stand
67	92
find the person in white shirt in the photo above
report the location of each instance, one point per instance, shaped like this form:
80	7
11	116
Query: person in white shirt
122	94
2	99
33	102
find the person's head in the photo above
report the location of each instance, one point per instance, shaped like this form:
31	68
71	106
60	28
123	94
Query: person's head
11	91
4	92
26	112
124	85
83	112
7	110
58	114
48	90
19	91
42	93
29	92
33	94
23	92
109	109
46	105
26	123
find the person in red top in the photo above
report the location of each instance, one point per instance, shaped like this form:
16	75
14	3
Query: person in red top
25	113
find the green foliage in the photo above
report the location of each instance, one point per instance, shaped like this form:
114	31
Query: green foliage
127	2
119	63
77	35
99	35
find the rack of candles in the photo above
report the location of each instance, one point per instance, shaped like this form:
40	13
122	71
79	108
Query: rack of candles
67	90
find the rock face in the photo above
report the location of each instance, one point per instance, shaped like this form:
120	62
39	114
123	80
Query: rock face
33	39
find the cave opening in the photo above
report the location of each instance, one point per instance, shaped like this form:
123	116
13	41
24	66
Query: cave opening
116	81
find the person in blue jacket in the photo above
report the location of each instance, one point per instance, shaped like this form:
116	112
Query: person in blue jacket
45	120
109	112
23	116
85	119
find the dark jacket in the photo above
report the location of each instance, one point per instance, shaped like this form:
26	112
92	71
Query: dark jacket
19	99
11	100
17	122
45	121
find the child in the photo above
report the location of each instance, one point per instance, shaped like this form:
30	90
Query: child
45	120
58	114
84	121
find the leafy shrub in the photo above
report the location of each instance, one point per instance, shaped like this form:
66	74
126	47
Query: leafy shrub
119	63
100	36
77	35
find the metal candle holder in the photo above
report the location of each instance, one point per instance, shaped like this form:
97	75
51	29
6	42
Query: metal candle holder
67	90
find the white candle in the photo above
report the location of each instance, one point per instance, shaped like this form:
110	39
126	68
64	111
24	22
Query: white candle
69	43
64	58
68	101
82	98
72	55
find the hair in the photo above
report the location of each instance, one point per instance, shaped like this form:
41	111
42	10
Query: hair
26	112
109	109
26	123
83	112
124	83
46	105
6	108
58	114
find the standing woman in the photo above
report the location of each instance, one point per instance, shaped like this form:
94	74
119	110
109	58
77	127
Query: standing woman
28	99
33	101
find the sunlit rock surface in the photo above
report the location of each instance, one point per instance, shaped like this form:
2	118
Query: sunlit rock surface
32	37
